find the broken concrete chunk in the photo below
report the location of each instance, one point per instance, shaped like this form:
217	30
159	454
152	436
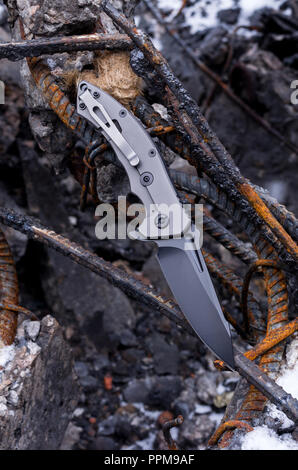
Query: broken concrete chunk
38	388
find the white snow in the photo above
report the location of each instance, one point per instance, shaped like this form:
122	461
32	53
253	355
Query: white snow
202	409
263	438
288	380
6	355
204	13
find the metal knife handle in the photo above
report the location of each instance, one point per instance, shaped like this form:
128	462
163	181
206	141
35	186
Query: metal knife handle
140	158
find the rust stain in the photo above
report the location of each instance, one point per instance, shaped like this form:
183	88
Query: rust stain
228	425
9	293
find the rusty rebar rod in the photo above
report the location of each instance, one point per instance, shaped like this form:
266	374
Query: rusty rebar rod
125	282
166	429
217	79
88	42
263	263
276	394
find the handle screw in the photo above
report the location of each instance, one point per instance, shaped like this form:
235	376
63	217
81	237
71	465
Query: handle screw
161	221
152	153
146	178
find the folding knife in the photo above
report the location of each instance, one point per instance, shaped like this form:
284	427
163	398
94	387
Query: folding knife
177	238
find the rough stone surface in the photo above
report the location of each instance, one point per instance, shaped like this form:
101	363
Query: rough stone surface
38	389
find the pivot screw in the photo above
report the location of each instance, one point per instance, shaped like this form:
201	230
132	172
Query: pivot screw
161	221
82	106
122	113
146	178
152	153
96	94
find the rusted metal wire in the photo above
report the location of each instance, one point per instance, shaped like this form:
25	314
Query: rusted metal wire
217	79
166	429
275	337
60	103
18	309
219	198
205	144
9	293
276	291
228	239
234	284
89	42
91	153
121	279
272	339
264	263
228	425
263	386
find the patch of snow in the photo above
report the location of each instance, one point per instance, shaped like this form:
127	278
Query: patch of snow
216	417
263	438
6	355
152	415
288	380
202	409
145	444
220	389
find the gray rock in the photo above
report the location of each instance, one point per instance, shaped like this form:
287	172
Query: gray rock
81	369
128	339
89	383
40	391
166	356
71	437
196	432
48	18
137	391
206	388
101	361
104	443
3	14
229	15
164	390
108	426
32	329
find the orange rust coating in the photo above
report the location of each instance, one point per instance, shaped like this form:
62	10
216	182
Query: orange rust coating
263	211
18	309
273	339
45	81
9	293
228	278
245	288
254	401
161	130
228	425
